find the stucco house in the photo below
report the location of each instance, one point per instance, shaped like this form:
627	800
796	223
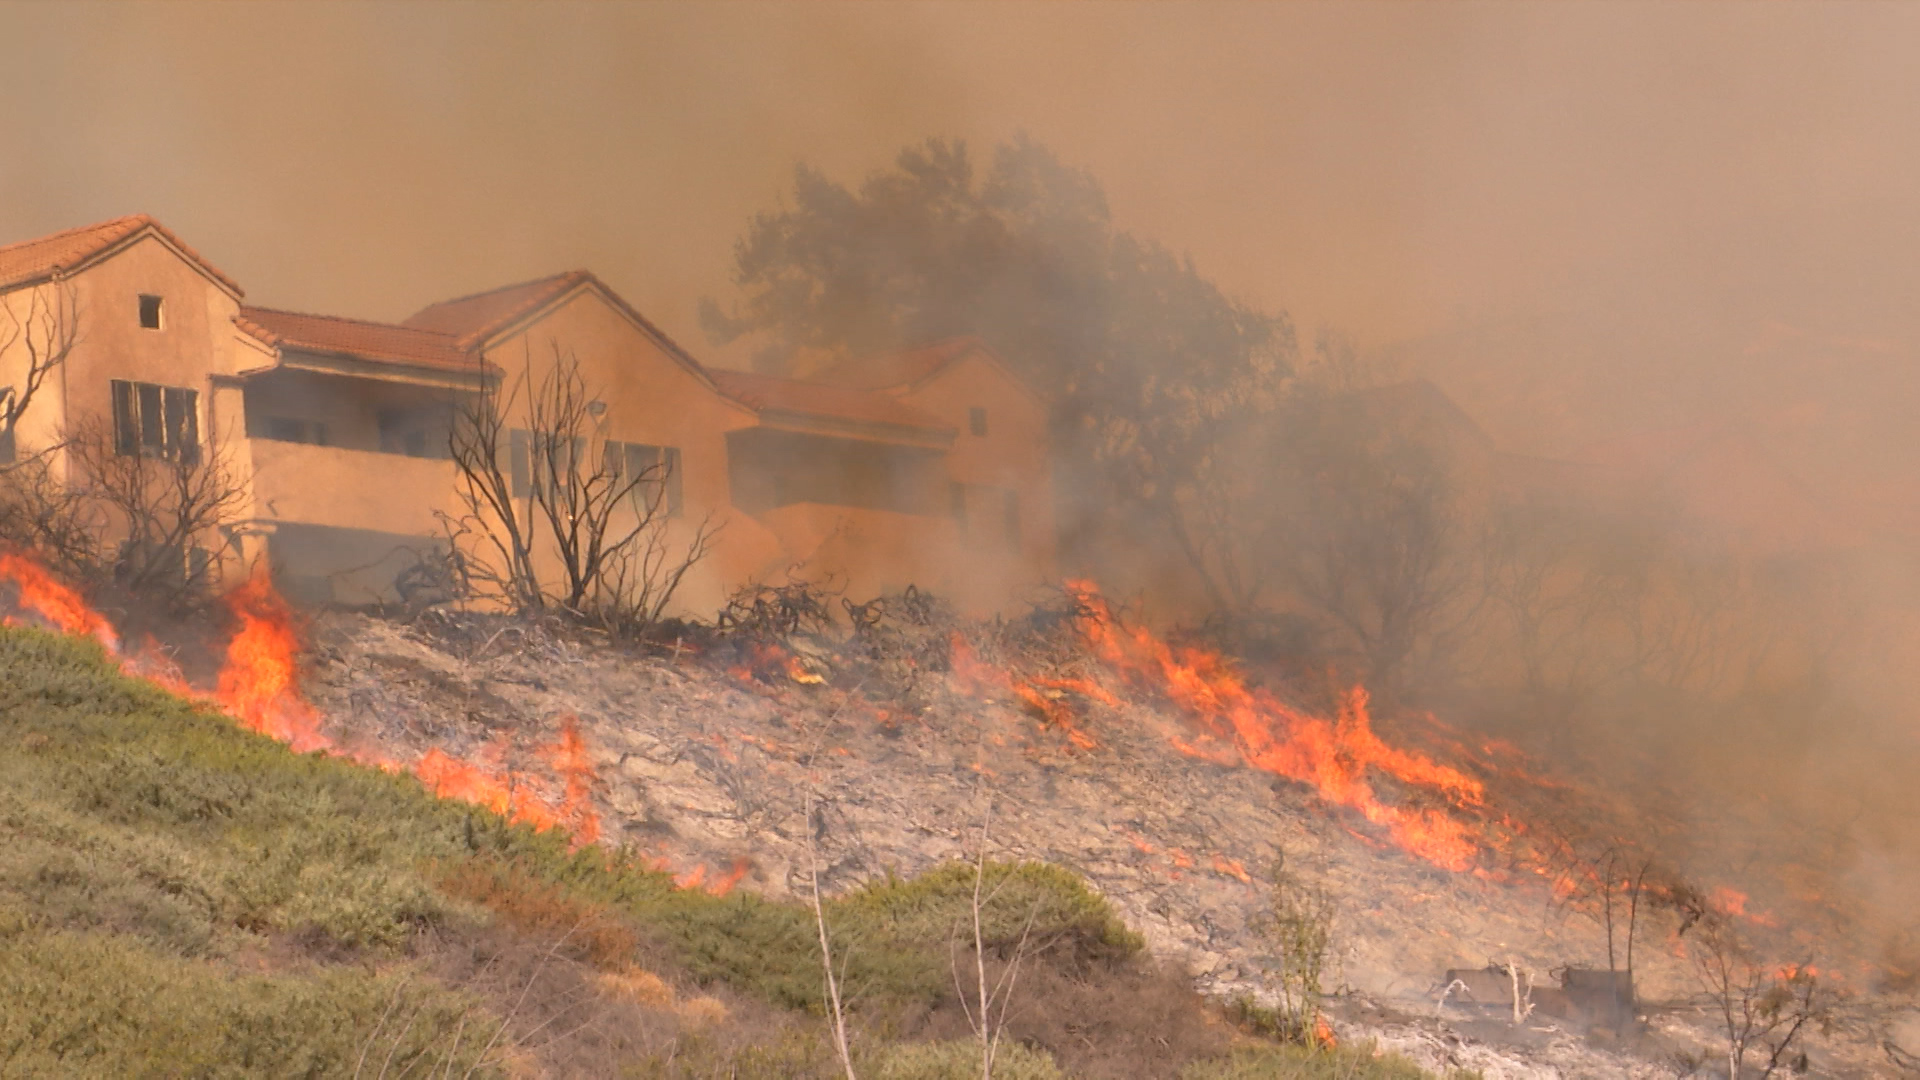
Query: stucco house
928	467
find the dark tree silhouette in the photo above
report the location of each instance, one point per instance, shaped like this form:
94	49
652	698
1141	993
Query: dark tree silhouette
1146	363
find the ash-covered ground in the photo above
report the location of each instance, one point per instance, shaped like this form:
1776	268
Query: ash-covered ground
708	761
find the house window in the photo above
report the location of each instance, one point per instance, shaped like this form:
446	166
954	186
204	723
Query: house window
288	429
977	420
149	312
657	467
520	462
156	421
420	432
536	462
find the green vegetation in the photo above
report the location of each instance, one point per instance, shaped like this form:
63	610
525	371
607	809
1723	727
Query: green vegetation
180	897
1300	1063
960	1060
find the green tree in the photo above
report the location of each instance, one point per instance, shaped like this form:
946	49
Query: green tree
1146	362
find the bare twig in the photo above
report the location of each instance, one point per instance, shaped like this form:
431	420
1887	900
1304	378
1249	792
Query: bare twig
837	1014
559	494
392	1003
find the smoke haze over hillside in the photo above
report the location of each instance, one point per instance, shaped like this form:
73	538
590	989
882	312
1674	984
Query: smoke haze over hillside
1679	239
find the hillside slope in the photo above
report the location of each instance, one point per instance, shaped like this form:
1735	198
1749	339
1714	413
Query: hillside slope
179	897
708	766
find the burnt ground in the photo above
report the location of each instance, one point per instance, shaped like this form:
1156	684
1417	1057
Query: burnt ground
711	769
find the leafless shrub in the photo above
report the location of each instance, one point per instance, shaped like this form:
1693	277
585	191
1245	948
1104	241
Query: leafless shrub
776	611
836	1016
41	513
163	510
1760	1008
901	637
150	525
1609	886
557	494
42	336
986	1011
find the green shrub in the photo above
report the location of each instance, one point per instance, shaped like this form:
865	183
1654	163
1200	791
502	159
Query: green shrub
959	1060
1052	904
76	1004
792	1053
1306	1063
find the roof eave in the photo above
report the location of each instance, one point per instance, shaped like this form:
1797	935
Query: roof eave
985	352
490	336
865	430
173	243
332	362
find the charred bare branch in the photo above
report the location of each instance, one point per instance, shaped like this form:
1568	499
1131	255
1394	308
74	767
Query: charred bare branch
43	335
554	516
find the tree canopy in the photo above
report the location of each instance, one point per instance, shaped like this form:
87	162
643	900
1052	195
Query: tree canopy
1144	360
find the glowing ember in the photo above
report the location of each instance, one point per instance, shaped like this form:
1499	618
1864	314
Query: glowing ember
1233	868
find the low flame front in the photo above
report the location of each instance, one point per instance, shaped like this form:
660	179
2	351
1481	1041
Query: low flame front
258	686
1232	723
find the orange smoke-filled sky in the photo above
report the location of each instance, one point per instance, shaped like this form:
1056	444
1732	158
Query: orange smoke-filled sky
1679	179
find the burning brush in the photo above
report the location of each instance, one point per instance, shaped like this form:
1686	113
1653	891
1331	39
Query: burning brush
258	687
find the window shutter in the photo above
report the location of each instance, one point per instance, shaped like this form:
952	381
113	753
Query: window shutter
149	406
671	458
126	419
180	426
519	462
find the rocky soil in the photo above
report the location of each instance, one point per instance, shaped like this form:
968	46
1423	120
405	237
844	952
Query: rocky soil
711	771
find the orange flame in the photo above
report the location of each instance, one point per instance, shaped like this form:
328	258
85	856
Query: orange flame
1239	724
505	793
258	686
54	602
259	683
572	763
1053	710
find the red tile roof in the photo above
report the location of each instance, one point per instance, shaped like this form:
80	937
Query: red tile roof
32	261
766	393
472	319
908	367
378	342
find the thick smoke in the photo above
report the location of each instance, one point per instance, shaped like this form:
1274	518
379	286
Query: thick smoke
1660	259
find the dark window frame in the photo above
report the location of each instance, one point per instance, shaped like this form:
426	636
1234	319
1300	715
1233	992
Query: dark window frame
151	420
152	308
631	458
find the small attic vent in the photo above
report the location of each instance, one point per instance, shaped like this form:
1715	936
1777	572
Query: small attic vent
149	312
